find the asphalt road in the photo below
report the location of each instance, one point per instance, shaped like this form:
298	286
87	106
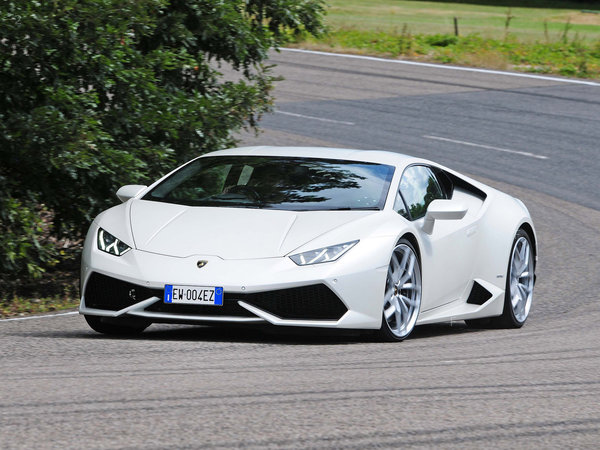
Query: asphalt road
179	387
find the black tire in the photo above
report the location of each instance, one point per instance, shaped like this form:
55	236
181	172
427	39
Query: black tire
508	319
116	327
386	333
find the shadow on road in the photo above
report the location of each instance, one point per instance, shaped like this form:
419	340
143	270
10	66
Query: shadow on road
255	334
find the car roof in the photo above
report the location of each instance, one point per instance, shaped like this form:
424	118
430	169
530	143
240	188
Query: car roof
375	156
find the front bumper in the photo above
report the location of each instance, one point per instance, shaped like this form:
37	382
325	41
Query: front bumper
107	295
347	293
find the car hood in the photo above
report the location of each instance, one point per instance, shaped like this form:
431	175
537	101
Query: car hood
229	233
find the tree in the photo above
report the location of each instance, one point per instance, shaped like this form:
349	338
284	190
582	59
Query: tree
95	94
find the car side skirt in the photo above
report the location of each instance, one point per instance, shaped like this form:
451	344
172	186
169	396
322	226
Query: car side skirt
461	310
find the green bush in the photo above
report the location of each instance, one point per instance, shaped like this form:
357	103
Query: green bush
95	94
23	240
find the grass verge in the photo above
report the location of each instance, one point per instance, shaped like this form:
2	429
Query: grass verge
544	40
26	306
54	290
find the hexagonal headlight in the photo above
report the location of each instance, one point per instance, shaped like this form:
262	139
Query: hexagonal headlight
322	255
110	244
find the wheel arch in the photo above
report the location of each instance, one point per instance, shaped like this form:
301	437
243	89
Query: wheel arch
528	228
495	235
410	237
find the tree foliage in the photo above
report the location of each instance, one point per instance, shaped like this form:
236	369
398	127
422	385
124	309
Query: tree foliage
95	94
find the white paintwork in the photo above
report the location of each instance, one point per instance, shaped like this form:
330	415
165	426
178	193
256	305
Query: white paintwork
230	233
130	191
247	249
443	210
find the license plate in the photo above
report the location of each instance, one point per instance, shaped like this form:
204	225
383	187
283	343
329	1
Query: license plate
194	295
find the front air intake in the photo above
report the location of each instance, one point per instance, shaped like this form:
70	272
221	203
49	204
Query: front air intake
314	302
103	292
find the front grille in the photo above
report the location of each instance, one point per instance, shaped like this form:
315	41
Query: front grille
102	292
314	302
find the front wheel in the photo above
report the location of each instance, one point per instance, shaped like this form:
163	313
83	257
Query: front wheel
402	298
122	327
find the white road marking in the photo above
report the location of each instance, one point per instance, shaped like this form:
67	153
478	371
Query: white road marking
45	316
488	147
443	66
322	119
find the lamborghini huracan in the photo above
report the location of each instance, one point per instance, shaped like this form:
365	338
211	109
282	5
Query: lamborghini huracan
309	237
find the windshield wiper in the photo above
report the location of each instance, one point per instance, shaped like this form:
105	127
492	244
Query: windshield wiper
341	208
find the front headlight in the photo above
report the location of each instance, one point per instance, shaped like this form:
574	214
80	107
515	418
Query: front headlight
110	244
322	255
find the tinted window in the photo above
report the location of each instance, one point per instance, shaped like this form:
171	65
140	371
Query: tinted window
400	207
444	181
419	188
277	183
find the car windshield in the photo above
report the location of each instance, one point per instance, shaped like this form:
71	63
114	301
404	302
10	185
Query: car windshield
296	184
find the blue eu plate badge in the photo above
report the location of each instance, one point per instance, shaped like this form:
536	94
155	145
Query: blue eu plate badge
193	295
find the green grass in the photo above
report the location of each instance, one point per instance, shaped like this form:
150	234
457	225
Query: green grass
26	306
54	290
527	23
540	40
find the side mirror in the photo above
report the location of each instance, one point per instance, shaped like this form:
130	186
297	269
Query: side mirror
131	190
442	210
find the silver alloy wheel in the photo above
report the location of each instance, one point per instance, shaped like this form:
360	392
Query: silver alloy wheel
521	279
402	291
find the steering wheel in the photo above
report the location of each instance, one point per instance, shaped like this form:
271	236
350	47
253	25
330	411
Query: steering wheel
245	190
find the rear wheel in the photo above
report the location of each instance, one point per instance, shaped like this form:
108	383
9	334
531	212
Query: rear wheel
519	287
402	298
519	283
122	327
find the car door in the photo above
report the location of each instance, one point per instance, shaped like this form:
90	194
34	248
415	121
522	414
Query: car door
446	253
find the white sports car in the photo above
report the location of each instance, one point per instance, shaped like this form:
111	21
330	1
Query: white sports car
309	237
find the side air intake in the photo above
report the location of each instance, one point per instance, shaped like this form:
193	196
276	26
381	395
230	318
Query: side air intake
479	295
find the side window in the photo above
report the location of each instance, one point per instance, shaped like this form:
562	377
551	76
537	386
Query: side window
444	181
400	207
418	188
